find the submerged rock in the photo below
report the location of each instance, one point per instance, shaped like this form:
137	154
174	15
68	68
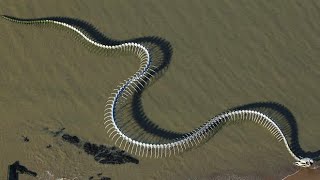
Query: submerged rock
25	139
102	178
108	155
101	153
71	139
105	178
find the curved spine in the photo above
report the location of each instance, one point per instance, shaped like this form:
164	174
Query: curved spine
137	83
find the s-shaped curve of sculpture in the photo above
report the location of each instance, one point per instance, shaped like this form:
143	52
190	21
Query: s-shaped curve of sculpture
137	82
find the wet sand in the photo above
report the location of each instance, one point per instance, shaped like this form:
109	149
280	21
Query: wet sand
305	174
225	54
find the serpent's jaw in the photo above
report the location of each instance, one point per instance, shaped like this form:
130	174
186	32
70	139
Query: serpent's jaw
305	162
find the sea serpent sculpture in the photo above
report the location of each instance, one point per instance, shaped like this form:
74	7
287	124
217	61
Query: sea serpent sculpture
137	82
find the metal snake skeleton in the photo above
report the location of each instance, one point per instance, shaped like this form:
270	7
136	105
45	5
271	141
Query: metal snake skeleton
137	82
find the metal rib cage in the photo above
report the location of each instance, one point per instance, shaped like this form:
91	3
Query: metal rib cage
137	82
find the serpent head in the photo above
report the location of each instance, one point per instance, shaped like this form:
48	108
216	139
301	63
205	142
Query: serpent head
304	162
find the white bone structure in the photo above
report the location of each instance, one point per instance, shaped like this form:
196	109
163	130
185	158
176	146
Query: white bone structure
137	82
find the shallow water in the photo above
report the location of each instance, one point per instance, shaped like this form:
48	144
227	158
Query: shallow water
225	54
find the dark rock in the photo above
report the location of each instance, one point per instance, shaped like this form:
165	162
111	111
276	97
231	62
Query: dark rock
107	155
25	139
49	146
91	149
101	153
99	174
105	178
71	139
91	177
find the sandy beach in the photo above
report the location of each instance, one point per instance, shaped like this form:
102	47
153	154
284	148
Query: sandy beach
223	54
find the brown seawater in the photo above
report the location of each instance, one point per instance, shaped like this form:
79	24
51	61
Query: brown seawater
225	54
